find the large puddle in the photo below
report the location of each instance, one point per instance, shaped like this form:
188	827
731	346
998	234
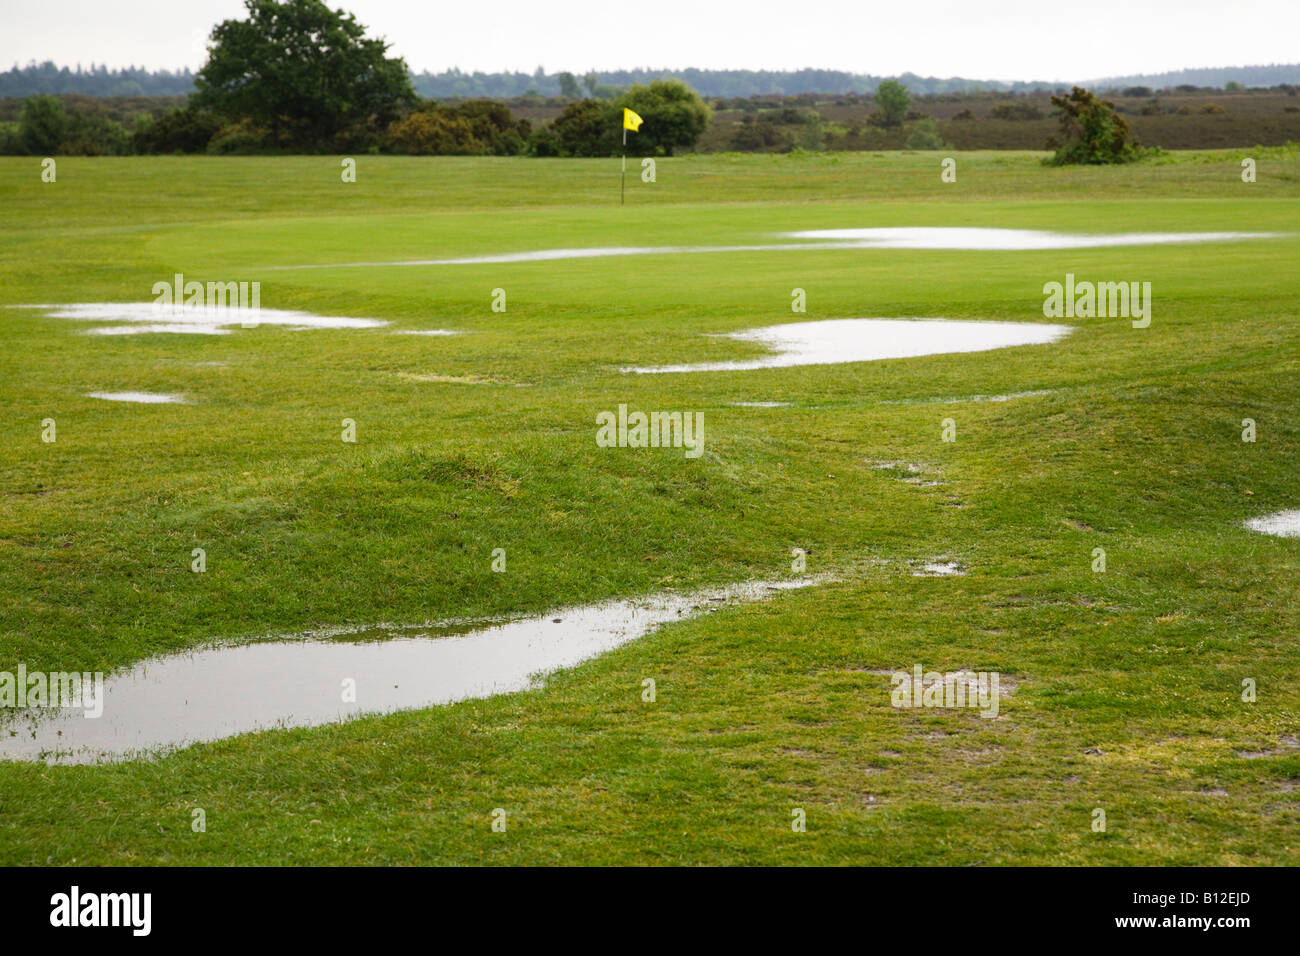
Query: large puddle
832	341
142	398
1283	524
1008	240
822	239
222	691
142	317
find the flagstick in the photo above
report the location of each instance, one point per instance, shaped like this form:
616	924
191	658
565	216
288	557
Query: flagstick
622	176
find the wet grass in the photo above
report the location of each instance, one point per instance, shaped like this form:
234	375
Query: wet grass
1128	693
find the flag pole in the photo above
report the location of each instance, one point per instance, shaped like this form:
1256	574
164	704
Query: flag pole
622	176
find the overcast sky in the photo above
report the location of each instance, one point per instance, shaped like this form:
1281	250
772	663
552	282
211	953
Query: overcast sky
982	39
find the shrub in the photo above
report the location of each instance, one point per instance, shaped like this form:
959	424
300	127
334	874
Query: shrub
10	143
242	137
924	135
814	138
1015	111
1212	108
588	128
94	136
759	135
1091	132
435	133
177	131
544	142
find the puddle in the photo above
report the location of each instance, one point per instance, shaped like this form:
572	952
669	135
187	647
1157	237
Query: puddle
1009	240
222	691
1284	524
144	398
833	341
888	238
144	317
939	569
959	400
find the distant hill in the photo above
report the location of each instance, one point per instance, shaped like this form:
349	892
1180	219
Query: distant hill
729	83
1272	75
101	81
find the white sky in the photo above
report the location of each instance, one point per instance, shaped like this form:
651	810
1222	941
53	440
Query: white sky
977	39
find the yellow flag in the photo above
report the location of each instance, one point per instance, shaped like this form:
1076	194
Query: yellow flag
631	120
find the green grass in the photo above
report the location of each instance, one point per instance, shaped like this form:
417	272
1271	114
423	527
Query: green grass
1127	693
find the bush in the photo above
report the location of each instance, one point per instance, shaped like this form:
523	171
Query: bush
925	135
588	128
814	138
177	131
10	143
1091	132
241	138
94	136
544	142
1015	111
1212	108
758	136
492	124
964	116
435	133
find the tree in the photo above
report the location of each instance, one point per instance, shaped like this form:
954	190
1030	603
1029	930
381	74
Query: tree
893	99
1092	133
300	65
42	125
569	86
674	115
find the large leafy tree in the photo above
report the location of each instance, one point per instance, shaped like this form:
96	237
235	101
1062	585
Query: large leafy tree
674	115
305	71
